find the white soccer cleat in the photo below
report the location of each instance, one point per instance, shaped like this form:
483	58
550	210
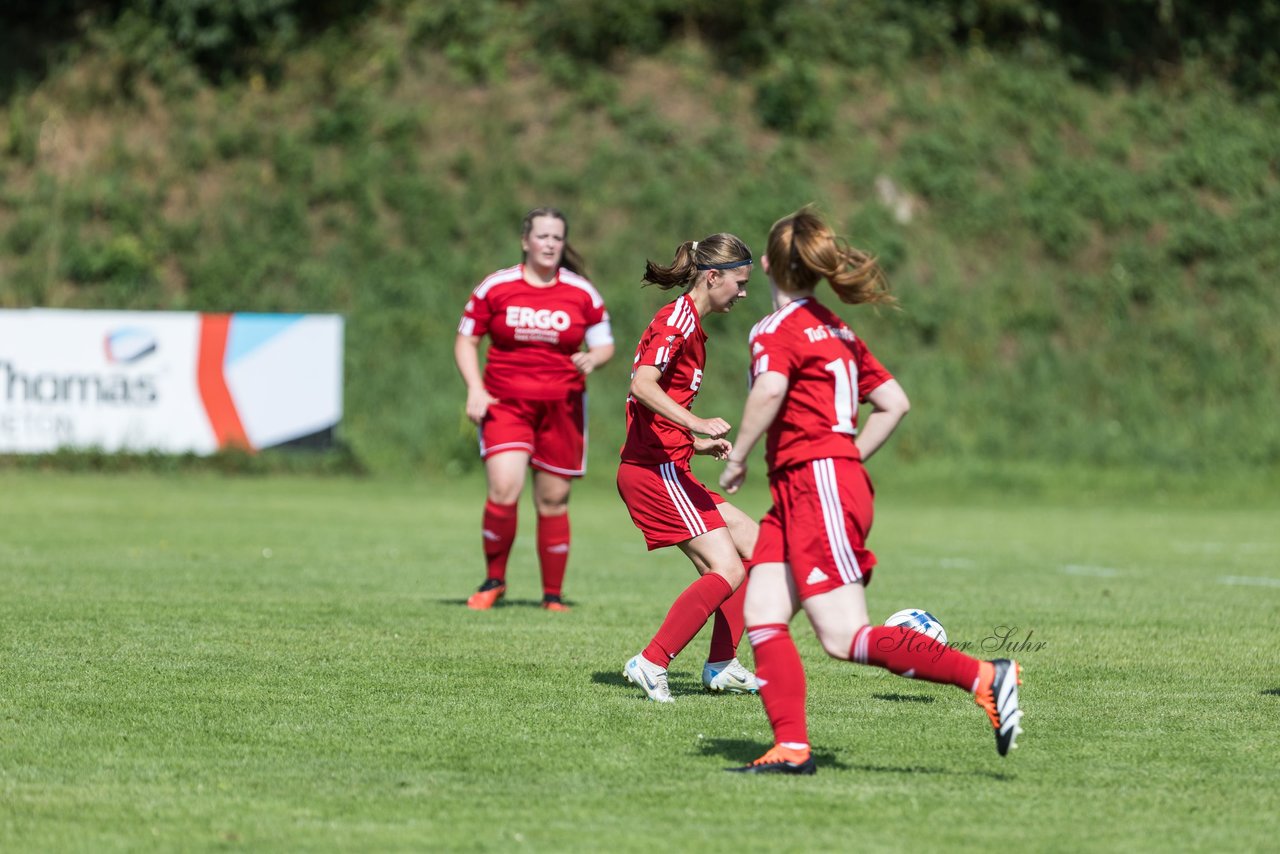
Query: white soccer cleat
730	677
651	678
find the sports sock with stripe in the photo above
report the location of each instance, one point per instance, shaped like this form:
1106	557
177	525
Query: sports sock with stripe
910	653
726	626
782	684
553	551
499	533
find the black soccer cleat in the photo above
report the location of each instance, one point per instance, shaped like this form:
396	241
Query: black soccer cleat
998	697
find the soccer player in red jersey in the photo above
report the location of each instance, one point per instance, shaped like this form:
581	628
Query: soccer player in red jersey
531	403
809	372
667	503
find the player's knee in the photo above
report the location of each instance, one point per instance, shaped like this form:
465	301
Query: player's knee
504	493
732	572
758	613
552	506
744	537
835	646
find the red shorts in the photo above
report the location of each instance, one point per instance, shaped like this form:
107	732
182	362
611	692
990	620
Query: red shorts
668	504
552	432
818	523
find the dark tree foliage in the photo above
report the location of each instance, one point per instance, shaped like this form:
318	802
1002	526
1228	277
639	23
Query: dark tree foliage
1133	39
1101	39
220	36
31	33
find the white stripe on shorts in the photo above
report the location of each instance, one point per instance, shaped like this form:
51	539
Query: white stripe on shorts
684	505
824	473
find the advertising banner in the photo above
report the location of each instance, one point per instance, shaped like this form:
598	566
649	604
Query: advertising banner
167	381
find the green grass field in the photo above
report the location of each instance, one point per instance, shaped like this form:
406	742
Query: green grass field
205	663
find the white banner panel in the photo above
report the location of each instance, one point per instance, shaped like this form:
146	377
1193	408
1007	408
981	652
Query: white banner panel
167	381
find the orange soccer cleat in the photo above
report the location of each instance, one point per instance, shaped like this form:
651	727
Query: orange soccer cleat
781	760
551	602
489	593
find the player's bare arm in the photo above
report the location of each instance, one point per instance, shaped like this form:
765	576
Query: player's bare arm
645	388
763	403
889	404
718	449
466	353
588	360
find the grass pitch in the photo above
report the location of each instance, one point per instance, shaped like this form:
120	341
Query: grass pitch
201	663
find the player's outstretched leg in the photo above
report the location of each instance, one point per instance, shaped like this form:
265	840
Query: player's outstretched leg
997	694
994	683
649	677
729	677
780	760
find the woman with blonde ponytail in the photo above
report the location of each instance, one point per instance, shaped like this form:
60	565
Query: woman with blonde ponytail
809	373
667	503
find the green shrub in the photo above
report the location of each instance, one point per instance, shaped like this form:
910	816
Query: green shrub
119	258
469	33
790	98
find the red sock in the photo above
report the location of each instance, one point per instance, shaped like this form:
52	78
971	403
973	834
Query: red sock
781	676
499	533
553	551
914	655
726	626
687	616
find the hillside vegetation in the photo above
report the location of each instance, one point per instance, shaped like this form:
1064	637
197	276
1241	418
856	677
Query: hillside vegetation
1086	261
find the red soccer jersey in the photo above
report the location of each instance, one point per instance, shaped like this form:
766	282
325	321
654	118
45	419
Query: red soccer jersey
828	370
675	344
533	332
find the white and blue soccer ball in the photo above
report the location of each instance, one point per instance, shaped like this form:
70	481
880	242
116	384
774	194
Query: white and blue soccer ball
920	621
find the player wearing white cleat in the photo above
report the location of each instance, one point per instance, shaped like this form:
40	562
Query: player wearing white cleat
729	677
651	679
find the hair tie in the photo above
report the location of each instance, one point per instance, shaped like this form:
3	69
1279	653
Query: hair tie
695	246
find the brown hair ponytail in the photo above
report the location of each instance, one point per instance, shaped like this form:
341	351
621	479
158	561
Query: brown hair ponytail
803	249
718	251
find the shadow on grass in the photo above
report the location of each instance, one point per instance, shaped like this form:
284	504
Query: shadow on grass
679	685
1274	692
503	603
904	698
611	677
924	769
741	751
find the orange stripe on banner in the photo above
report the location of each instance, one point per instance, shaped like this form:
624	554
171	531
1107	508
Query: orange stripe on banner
218	405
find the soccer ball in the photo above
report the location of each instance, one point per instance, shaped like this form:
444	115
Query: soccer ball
920	621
